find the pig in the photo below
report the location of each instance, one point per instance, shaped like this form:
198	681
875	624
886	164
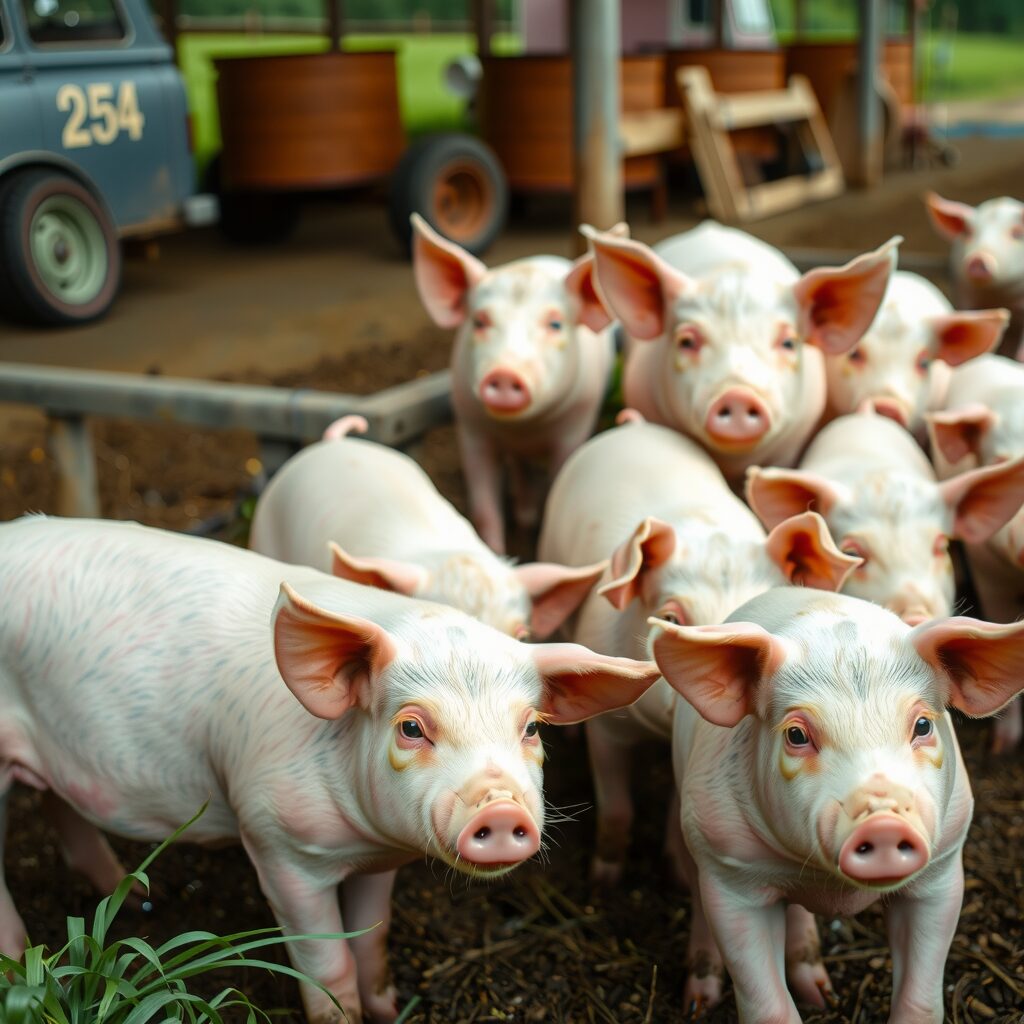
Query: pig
983	425
726	339
683	547
987	258
817	767
338	731
530	366
878	493
901	365
369	514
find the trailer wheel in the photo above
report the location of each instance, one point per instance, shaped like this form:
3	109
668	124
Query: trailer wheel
457	185
60	259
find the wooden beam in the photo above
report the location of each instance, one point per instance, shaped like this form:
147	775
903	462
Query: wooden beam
482	17
335	24
169	16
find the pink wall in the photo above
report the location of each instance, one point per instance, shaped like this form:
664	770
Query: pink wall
644	25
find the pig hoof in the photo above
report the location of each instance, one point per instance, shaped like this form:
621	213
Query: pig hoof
701	994
605	874
381	1008
809	983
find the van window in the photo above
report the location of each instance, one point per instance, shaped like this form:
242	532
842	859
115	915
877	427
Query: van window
72	21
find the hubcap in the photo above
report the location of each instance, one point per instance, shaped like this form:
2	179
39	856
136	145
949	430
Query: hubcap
68	249
463	199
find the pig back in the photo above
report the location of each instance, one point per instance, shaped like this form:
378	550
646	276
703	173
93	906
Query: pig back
711	246
860	443
984	378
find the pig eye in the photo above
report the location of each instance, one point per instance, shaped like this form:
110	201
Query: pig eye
941	545
481	321
924	360
554	323
531	729
797	737
411	729
788	343
688	339
854	550
856	356
1017	231
923	728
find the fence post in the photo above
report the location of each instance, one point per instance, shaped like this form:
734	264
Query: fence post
70	442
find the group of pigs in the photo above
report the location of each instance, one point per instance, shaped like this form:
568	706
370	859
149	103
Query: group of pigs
816	766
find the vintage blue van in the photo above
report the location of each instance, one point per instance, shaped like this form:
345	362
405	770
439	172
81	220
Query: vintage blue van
94	148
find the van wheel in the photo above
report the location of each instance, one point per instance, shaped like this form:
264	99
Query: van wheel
60	259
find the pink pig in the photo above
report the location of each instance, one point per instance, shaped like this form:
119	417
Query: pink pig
983	425
726	338
818	768
370	514
901	365
142	675
683	547
877	491
530	365
987	258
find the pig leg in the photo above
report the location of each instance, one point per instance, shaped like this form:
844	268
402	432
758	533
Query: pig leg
676	854
366	901
609	766
805	972
12	929
527	487
703	988
921	931
82	845
481	467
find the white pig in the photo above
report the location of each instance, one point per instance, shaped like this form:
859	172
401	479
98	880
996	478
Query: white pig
370	514
817	765
726	338
530	366
983	425
138	680
683	547
878	493
987	257
901	365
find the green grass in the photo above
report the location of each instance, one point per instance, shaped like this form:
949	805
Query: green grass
962	66
425	104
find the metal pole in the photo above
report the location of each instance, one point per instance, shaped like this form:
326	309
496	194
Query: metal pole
869	112
335	17
482	15
169	16
70	442
597	151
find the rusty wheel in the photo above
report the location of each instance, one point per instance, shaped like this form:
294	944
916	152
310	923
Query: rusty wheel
457	185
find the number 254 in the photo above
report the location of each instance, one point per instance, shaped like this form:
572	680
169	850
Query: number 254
106	120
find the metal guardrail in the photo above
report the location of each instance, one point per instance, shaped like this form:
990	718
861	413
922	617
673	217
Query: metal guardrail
282	418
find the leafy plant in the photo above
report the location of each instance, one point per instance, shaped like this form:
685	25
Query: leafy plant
130	981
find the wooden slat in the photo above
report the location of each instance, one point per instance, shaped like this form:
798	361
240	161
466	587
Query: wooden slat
651	131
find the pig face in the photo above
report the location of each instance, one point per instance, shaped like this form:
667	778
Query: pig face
891	368
988	240
853	754
443	714
899	525
736	347
699	577
518	322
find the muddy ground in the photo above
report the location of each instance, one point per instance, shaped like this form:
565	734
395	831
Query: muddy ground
539	946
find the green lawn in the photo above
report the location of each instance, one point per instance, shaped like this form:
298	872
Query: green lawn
426	105
965	66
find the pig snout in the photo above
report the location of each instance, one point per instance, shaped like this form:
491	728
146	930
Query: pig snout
980	266
884	848
893	409
737	418
501	833
504	392
914	607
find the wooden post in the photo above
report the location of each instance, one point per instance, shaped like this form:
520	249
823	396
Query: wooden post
335	24
482	17
799	20
718	23
169	16
70	443
597	150
869	107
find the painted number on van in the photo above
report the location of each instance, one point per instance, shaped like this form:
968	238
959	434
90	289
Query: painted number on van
95	117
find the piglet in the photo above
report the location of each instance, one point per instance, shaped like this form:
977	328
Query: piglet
338	731
983	425
878	493
726	339
370	514
683	547
818	767
987	258
901	365
530	366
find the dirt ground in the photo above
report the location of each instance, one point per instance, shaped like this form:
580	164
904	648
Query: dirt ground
538	946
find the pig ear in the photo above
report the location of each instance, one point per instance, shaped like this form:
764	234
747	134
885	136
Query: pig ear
636	285
650	546
326	659
950	218
777	494
804	550
984	499
959	432
444	273
837	304
984	661
579	684
717	668
579	283
962	336
556	592
382	573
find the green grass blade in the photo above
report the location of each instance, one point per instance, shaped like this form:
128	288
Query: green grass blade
407	1010
34	965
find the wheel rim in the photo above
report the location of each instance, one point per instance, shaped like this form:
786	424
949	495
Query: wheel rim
463	200
68	249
